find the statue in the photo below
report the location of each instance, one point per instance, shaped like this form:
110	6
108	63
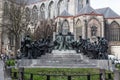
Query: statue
69	39
94	50
79	44
59	41
93	30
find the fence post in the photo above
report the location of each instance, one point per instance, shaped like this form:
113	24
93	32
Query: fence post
101	76
69	78
9	71
22	76
15	75
116	75
48	77
21	73
109	76
31	76
88	77
103	73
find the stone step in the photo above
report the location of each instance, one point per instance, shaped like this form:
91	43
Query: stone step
49	56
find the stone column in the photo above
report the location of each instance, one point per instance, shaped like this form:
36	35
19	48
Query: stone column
116	75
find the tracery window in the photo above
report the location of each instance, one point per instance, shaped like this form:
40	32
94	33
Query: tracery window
78	29
6	9
51	10
42	11
80	4
34	14
60	7
87	1
27	14
114	31
65	27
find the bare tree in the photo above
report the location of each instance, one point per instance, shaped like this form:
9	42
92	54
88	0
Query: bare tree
45	29
15	20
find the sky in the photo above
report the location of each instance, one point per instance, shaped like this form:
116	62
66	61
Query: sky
113	4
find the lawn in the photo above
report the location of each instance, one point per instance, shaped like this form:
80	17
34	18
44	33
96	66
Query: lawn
60	71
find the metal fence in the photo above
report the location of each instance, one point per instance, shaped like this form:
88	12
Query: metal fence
31	76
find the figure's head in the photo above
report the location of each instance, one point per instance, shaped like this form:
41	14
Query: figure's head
98	37
60	33
69	33
27	35
80	37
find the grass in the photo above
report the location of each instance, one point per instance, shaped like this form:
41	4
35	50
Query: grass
60	71
40	73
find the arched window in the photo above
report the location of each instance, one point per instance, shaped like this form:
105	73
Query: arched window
87	1
27	14
51	10
65	27
80	4
94	29
6	9
42	11
78	29
34	14
60	7
114	31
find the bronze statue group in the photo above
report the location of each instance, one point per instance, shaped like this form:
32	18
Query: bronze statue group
34	49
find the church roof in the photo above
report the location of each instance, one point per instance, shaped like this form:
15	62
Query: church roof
108	13
65	13
87	10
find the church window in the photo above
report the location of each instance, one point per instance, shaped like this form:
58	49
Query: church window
114	31
6	9
34	14
42	11
60	7
78	29
27	14
87	1
65	27
80	4
51	10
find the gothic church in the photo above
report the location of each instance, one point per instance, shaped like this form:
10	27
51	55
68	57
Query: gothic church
76	16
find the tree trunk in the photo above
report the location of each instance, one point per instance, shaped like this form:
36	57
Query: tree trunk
17	44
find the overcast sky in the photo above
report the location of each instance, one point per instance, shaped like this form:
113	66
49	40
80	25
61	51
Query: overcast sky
113	4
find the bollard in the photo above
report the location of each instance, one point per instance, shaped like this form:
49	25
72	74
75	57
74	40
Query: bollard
109	76
31	76
48	77
88	77
69	78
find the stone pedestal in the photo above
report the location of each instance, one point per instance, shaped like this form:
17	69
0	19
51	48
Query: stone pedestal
116	75
57	52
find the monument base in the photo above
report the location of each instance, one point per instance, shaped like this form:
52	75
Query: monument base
63	52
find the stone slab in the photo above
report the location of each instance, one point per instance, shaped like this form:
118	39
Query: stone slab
2	70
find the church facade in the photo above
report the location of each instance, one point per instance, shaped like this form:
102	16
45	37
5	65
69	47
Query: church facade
78	17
